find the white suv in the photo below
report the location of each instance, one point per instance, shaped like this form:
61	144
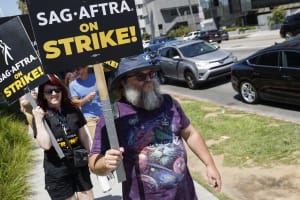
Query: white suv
191	35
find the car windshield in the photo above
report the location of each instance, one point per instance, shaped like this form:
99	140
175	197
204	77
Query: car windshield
197	49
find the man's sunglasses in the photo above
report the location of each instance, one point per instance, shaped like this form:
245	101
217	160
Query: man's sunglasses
50	91
143	76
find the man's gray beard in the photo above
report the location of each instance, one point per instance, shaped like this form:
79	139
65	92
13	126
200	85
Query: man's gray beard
147	100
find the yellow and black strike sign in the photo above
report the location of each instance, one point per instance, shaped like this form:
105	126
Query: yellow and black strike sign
72	33
20	66
111	65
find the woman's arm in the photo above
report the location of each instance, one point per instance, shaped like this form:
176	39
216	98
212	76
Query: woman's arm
197	144
84	138
42	135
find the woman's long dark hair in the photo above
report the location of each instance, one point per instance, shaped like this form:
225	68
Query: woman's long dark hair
55	81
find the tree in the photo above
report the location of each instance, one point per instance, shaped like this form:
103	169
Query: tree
180	31
22	6
278	15
145	36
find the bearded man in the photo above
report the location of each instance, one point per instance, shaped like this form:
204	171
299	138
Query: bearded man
150	130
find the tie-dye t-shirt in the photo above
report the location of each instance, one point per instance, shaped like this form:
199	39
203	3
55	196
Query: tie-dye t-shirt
155	158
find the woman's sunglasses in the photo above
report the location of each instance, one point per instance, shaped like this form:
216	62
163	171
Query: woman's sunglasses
50	91
143	76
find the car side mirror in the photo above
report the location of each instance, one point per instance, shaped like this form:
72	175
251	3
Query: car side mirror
176	58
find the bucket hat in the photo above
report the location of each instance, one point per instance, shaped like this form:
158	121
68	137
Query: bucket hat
131	64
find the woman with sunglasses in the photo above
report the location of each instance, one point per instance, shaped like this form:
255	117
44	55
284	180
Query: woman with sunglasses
62	179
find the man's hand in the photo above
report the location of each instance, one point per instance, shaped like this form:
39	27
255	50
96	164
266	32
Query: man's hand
113	158
214	178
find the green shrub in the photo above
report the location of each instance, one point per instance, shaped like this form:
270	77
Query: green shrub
228	29
179	32
240	29
15	158
277	17
146	36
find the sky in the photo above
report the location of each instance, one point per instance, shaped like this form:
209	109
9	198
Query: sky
9	8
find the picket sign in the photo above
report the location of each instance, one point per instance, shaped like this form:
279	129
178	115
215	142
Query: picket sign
89	33
108	116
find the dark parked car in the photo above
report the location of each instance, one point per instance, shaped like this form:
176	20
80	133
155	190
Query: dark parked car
209	36
194	62
291	26
271	74
224	34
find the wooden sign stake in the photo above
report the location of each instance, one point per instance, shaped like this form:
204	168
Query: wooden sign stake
108	115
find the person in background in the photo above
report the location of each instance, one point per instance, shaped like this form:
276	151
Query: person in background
25	105
84	94
69	77
151	128
62	179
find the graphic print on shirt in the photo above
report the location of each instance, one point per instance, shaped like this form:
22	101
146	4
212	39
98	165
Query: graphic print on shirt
161	155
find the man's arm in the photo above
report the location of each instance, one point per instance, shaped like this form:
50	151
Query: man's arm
103	164
197	144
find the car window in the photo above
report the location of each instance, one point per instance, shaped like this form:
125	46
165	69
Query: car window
267	59
202	33
173	52
168	54
297	17
291	59
254	60
163	52
196	49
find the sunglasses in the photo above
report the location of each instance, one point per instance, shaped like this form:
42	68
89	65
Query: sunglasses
143	76
50	91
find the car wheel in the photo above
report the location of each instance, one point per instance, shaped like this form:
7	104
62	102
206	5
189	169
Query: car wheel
162	79
248	92
190	80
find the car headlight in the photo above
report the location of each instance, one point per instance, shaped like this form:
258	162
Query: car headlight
201	64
